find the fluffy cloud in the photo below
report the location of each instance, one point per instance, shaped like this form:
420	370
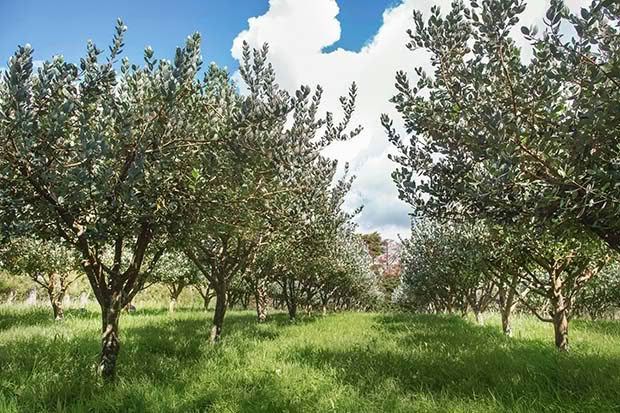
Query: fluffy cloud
297	32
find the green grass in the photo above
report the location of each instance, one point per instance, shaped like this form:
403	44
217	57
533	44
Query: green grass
339	363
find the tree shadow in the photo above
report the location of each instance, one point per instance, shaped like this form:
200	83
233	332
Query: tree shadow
451	358
24	317
56	365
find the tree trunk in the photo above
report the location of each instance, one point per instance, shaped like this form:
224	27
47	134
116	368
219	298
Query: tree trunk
220	312
59	311
175	291
479	318
560	322
260	296
110	315
11	297
291	305
508	302
507	321
56	300
206	300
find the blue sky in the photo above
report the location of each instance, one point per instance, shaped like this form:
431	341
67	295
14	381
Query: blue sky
63	27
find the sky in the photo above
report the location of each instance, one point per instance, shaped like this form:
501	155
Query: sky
326	42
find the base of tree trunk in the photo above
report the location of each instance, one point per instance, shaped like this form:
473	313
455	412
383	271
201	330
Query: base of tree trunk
110	343
218	316
479	319
59	311
560	327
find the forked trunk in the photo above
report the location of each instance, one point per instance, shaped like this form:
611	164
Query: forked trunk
508	302
218	316
110	315
206	301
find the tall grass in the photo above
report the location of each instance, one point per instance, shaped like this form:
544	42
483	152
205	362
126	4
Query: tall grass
343	362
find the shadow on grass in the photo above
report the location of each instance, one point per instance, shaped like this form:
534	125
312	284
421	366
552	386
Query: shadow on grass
449	357
24	317
54	365
39	316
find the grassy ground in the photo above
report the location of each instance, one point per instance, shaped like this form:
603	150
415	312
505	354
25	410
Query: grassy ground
340	363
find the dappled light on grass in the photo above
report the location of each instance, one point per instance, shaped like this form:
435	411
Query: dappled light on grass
343	362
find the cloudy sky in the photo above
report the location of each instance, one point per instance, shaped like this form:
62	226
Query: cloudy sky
326	42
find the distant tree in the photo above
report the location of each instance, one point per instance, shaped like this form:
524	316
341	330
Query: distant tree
374	242
176	272
52	266
443	268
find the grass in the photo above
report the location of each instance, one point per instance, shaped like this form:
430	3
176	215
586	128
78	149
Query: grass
347	362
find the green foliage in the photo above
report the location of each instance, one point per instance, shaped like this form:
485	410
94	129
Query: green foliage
374	243
516	142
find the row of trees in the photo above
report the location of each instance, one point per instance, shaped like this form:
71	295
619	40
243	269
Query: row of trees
459	266
149	173
513	167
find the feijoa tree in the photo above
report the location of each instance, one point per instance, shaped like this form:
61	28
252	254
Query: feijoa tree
176	273
269	159
555	270
102	159
51	265
493	136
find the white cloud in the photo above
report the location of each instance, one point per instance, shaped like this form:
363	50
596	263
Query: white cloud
298	30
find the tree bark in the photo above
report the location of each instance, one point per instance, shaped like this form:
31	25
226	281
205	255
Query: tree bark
172	304
507	321
206	300
508	295
218	316
58	308
479	318
56	300
291	306
260	296
560	322
110	315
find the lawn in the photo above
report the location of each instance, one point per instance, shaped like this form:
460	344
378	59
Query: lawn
347	362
